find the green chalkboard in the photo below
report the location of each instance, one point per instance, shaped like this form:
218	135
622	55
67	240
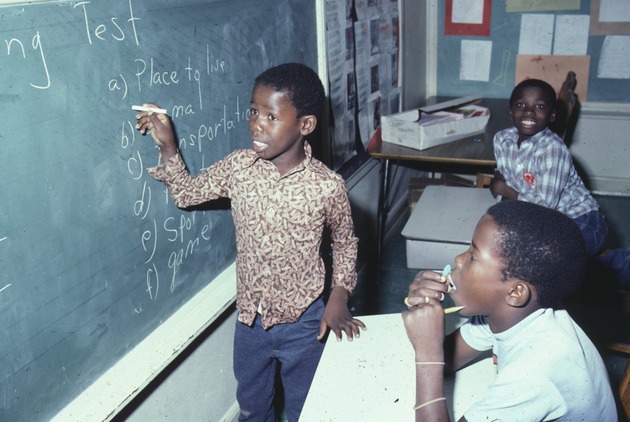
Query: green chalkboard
505	34
93	254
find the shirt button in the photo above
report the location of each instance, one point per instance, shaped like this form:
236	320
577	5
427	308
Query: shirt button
271	212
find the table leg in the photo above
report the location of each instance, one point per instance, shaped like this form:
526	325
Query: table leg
383	207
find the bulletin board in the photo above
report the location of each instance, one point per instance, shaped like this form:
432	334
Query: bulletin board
604	83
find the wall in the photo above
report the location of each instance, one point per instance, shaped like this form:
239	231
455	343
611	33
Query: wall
601	147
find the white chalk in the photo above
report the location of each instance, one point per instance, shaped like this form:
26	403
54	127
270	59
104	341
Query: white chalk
153	109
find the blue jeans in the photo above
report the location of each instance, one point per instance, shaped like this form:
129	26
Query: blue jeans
258	352
617	262
594	229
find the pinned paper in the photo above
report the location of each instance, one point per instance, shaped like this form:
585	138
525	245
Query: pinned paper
614	61
475	60
536	35
554	69
571	35
467	17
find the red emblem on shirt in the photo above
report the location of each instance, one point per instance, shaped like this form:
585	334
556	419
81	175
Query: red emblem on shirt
529	178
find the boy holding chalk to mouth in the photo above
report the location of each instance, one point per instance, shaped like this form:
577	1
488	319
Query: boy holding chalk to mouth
282	199
523	260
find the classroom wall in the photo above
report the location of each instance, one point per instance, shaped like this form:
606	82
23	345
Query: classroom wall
600	148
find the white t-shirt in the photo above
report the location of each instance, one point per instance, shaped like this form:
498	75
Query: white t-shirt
547	369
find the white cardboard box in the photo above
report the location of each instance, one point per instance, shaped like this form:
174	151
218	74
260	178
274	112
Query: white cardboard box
406	128
442	223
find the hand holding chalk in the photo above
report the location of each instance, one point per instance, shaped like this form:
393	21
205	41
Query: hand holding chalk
155	119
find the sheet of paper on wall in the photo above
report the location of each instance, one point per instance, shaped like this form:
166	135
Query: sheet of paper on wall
467	11
512	6
571	35
614	11
474	62
467	17
554	69
536	35
614	60
610	17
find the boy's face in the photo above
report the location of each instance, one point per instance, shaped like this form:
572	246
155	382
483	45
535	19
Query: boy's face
531	112
277	134
477	276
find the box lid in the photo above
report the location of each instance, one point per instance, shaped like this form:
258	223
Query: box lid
450	103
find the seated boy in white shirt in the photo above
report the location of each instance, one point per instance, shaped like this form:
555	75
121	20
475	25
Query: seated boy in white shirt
524	259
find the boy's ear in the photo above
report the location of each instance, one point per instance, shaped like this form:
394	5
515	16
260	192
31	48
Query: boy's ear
519	294
308	124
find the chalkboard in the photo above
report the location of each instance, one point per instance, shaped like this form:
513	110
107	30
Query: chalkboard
505	34
94	255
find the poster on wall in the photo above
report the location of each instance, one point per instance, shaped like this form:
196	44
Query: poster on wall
363	60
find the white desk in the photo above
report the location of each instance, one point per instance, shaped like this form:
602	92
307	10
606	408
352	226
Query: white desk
442	223
373	378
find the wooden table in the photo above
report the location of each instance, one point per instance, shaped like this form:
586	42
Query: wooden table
372	378
473	151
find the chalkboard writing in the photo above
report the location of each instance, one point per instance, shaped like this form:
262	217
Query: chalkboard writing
505	35
94	255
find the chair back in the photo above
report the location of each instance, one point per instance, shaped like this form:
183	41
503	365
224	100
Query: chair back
566	106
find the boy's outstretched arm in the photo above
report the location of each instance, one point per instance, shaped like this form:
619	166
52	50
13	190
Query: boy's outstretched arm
337	316
161	130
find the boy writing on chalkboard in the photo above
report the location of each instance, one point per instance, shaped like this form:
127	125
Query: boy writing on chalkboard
523	260
281	199
534	164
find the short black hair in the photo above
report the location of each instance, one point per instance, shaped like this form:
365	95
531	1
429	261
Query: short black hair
540	246
300	82
547	89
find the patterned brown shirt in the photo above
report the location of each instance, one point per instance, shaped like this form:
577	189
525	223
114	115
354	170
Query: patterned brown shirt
279	222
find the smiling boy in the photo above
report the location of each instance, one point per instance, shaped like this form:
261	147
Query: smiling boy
282	199
534	164
523	260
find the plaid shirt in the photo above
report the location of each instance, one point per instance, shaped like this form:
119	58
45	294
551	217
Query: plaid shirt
541	171
279	222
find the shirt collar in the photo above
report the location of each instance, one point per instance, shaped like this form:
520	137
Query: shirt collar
543	134
308	151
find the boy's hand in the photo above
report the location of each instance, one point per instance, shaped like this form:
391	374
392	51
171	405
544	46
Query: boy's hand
427	285
499	187
161	130
424	320
424	324
337	317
